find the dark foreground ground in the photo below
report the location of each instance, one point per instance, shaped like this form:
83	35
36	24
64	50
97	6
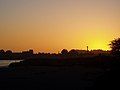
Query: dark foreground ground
44	77
58	78
61	77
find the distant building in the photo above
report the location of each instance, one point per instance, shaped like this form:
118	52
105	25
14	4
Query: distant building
99	51
28	52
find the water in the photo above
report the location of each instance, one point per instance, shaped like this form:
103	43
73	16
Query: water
5	63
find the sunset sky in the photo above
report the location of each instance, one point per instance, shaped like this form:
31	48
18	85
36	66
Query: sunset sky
51	25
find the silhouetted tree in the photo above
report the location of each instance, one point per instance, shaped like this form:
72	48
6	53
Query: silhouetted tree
2	54
115	46
2	51
31	51
64	52
73	52
8	52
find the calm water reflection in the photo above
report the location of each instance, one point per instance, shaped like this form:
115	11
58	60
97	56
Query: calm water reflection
7	62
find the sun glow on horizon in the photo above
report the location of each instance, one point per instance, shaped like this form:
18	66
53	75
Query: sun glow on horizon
98	45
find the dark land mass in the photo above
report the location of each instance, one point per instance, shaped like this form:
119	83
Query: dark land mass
10	55
62	73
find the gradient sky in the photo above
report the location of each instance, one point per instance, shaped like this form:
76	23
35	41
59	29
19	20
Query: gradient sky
51	25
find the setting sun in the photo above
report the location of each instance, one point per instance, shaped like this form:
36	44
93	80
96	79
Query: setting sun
100	45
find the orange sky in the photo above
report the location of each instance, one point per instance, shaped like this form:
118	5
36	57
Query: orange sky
51	25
